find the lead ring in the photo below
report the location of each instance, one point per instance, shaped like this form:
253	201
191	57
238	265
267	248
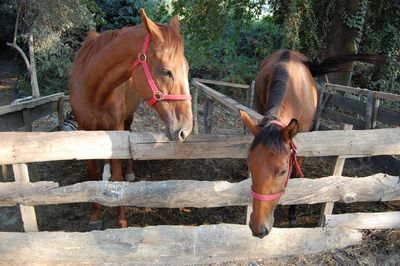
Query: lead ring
142	57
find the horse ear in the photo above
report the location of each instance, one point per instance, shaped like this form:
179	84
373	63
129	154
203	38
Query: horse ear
291	130
152	28
249	122
174	22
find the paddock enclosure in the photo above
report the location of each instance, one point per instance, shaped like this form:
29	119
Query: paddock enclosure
205	243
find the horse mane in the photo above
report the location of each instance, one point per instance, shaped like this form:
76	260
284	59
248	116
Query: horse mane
279	79
94	42
270	136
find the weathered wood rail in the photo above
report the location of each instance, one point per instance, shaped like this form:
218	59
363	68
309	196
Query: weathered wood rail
362	114
13	117
377	220
19	147
185	193
168	245
213	95
187	244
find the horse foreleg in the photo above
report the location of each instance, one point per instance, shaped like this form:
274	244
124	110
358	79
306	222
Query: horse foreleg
292	208
129	175
117	176
94	175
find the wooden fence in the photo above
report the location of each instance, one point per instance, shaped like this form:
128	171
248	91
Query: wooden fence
186	244
13	117
183	244
363	109
214	95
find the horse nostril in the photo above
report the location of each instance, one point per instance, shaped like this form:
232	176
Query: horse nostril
183	134
264	231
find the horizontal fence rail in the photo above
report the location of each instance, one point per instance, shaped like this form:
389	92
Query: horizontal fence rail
369	109
168	245
13	117
186	193
223	83
22	147
377	220
225	100
364	92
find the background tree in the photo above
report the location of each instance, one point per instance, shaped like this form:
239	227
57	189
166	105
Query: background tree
45	28
224	40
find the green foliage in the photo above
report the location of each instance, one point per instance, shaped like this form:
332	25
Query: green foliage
305	25
55	24
356	21
7	22
224	39
121	13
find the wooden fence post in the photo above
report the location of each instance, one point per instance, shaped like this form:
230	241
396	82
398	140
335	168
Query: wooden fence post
208	115
5	173
375	111
249	208
26	116
195	103
369	110
28	214
327	208
249	101
320	106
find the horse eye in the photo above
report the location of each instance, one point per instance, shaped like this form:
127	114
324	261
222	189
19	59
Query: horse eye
283	172
167	73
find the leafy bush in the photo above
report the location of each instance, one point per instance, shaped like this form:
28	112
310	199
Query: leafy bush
121	13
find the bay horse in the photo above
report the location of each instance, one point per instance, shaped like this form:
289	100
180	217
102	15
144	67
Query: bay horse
113	69
285	93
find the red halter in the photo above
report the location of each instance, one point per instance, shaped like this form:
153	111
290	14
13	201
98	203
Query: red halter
292	161
157	95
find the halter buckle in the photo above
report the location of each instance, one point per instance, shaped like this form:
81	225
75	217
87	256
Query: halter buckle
142	57
158	95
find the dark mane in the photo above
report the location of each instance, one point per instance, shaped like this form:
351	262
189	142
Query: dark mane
277	87
270	136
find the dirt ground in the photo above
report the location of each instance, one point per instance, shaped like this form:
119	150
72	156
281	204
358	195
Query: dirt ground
378	248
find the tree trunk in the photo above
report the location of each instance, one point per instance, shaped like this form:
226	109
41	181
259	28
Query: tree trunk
32	72
342	39
30	63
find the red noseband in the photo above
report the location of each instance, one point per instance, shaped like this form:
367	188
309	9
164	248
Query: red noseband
292	161
157	94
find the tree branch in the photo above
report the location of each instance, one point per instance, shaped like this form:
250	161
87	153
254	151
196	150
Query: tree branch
14	45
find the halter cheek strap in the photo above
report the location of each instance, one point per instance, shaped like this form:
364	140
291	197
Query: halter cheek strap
157	94
292	161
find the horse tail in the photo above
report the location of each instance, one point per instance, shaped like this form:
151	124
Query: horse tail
340	63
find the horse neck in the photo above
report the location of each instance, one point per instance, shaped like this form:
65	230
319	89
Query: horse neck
111	66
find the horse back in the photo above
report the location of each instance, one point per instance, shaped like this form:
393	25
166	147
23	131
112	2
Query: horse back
284	82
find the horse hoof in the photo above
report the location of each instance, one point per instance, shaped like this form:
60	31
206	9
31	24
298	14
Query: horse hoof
130	177
95	225
123	223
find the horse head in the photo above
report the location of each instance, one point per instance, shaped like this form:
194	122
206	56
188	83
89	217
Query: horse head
164	83
270	161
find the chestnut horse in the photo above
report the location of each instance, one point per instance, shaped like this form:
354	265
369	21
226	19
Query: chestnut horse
110	72
286	95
